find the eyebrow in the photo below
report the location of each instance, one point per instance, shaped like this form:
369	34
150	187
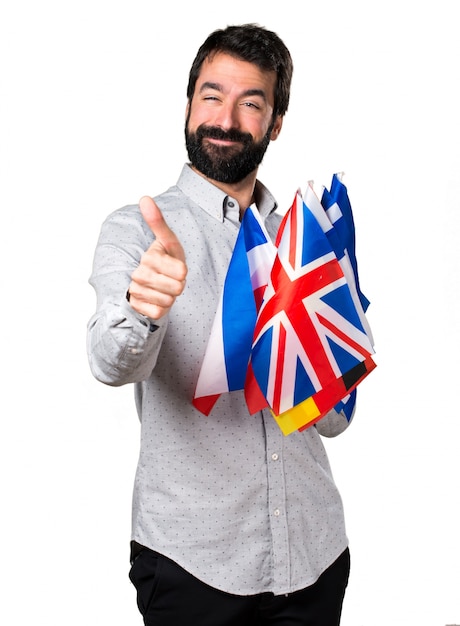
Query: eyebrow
248	92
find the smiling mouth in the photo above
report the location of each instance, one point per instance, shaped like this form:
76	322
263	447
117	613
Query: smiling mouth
222	148
221	142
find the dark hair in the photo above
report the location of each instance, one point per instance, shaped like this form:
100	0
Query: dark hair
255	44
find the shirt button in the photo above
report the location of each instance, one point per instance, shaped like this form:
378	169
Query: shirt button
276	512
231	204
275	457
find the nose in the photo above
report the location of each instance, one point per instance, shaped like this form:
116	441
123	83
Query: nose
227	116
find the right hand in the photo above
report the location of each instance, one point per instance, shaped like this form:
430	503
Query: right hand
160	276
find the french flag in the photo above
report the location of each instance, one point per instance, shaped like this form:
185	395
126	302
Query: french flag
228	352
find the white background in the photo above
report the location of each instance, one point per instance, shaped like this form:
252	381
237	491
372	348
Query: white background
92	98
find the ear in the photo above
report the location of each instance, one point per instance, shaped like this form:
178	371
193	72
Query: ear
276	128
187	109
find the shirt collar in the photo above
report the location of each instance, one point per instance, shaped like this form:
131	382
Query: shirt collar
217	203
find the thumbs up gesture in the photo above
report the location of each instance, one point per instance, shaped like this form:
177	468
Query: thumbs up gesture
160	276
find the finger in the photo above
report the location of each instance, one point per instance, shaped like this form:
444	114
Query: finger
152	310
153	294
157	224
159	273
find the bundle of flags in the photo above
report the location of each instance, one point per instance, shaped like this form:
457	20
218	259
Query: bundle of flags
290	328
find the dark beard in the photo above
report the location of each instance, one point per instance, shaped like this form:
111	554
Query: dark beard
225	164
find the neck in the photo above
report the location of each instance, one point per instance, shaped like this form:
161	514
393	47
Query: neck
243	192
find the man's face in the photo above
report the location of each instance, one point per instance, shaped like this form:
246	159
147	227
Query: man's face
230	119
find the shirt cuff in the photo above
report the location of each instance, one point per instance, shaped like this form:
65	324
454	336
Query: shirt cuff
133	315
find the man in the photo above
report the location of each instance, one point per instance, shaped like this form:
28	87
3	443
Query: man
233	523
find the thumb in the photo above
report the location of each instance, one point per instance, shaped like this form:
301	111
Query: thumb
157	224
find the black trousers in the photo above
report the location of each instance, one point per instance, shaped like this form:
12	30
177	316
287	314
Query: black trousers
167	595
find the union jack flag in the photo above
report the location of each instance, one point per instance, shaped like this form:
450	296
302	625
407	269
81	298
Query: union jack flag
310	347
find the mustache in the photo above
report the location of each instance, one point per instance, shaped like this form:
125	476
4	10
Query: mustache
214	132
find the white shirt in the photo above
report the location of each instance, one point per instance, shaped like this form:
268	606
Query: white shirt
228	497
